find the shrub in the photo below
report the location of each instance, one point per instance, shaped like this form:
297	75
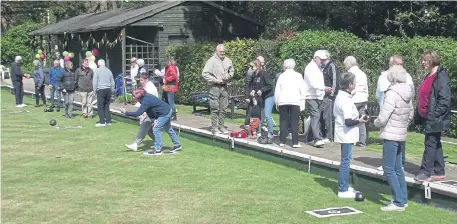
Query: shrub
17	42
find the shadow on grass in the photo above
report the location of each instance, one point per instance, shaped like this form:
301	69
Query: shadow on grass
376	162
370	195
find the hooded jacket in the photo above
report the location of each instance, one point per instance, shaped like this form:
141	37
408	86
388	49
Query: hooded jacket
397	113
38	76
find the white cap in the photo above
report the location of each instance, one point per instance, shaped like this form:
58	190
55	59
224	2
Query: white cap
17	58
321	54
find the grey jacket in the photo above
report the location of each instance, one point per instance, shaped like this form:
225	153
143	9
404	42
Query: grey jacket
396	113
217	70
103	79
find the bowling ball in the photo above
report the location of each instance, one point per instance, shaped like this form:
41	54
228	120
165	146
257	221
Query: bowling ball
53	122
45	109
359	196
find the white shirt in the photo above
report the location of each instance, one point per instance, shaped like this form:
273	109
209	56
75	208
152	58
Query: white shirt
384	84
290	89
62	63
133	73
314	81
344	109
360	93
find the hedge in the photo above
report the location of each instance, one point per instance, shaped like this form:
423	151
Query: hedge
373	57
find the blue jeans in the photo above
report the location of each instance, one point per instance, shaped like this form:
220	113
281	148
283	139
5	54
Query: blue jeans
393	170
164	123
268	108
54	88
345	167
171	101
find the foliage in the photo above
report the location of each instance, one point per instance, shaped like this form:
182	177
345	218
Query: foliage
17	42
121	98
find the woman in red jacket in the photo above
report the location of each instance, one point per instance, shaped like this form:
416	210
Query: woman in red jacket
170	84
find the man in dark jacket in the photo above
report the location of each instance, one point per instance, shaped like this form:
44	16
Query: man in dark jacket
331	75
16	78
84	77
433	112
67	84
55	74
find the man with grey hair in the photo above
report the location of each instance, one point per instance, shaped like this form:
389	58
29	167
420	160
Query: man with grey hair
331	76
314	82
16	78
218	71
54	75
103	85
359	94
383	83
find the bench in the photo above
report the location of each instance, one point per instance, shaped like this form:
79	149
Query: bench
236	99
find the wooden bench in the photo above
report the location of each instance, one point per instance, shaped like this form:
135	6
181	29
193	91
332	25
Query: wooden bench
236	99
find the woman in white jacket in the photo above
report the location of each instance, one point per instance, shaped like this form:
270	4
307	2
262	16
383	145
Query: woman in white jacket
145	121
290	93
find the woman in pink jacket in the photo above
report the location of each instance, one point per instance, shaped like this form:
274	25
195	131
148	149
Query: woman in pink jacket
395	116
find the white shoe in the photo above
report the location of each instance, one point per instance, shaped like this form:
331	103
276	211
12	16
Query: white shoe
380	168
347	194
281	145
326	140
390	202
108	124
297	146
133	147
19	106
100	125
392	208
319	143
23	105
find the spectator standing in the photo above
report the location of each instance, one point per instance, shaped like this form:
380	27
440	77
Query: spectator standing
59	58
346	131
393	119
67	84
85	76
359	94
16	78
170	85
38	78
218	71
290	93
103	85
55	74
331	77
315	85
433	112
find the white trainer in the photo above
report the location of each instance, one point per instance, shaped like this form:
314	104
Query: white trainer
319	143
297	146
133	146
326	140
347	194
392	208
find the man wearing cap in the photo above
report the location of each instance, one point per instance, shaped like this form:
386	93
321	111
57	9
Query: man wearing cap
331	76
133	71
16	78
314	81
218	71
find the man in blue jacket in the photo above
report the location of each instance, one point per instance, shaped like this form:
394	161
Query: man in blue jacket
54	74
161	112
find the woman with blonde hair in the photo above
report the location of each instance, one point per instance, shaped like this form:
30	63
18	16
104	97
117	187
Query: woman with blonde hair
170	84
395	116
433	112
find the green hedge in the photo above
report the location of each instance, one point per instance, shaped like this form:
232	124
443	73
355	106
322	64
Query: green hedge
17	42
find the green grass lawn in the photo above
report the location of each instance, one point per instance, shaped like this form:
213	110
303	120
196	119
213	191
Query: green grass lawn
414	142
85	176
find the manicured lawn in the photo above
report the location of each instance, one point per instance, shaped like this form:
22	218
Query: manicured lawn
85	176
414	142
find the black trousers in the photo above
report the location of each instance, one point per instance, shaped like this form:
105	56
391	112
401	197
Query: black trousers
288	117
18	92
103	102
327	118
433	160
40	92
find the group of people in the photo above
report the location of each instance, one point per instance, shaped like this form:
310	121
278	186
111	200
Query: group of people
88	80
331	97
